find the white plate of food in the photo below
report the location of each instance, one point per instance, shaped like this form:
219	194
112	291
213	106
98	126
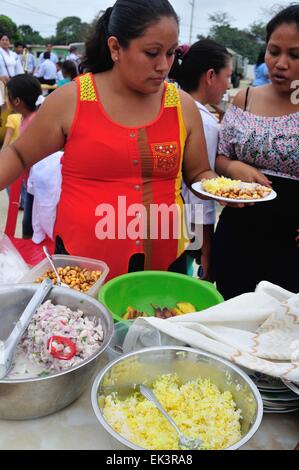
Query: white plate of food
234	191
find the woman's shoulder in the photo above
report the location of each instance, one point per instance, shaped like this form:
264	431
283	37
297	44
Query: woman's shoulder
189	105
62	101
66	93
240	99
58	110
186	99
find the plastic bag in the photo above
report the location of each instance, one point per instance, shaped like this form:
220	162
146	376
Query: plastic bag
12	265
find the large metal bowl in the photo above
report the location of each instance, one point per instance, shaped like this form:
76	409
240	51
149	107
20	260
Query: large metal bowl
144	366
33	398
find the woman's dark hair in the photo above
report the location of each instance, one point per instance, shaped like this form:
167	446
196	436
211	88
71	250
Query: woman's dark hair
69	69
202	56
289	15
126	20
26	88
47	55
261	57
2	35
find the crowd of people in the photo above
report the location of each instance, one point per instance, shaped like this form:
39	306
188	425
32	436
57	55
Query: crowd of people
48	68
23	74
136	124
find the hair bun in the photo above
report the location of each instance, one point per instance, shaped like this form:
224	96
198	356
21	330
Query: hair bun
182	51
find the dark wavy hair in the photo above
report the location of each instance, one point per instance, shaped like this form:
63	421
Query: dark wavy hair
202	56
26	88
69	69
289	15
126	20
261	57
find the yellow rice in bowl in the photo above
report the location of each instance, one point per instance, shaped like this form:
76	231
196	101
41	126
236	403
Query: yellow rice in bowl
198	407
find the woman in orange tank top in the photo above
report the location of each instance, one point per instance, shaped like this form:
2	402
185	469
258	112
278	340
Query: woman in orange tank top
128	136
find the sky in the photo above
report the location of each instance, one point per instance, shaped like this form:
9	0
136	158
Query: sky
43	15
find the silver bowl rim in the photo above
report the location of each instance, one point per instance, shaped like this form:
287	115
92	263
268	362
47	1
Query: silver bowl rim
118	437
104	345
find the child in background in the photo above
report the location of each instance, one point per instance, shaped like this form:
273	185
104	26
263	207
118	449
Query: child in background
25	97
12	125
69	72
59	74
44	181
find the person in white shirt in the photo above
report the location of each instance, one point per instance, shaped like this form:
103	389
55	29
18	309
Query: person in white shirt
53	57
204	71
73	56
59	74
47	71
31	63
9	62
26	58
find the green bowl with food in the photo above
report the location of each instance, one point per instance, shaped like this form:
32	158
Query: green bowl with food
157	293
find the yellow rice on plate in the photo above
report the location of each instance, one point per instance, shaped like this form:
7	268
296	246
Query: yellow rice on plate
198	407
235	189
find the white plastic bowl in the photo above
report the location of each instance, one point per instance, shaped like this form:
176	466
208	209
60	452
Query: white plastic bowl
62	261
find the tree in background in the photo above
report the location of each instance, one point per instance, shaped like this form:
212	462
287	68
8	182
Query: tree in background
68	30
71	29
247	42
7	26
258	30
29	36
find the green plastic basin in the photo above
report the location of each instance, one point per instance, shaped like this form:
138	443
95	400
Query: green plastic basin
144	289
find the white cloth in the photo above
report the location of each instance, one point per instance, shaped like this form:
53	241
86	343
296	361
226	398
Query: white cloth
258	331
9	64
211	130
53	58
44	183
2	93
59	76
47	70
28	62
74	58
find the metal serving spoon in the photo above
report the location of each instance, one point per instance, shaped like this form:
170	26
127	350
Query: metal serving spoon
184	441
8	347
50	259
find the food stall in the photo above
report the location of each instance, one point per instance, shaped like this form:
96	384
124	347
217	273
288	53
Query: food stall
76	426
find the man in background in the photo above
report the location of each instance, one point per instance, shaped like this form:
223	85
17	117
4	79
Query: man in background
26	59
46	73
53	57
73	56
